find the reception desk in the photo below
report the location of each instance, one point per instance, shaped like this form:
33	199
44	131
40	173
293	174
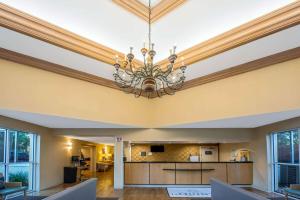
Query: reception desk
187	173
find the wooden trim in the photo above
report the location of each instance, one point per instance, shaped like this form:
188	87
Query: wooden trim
164	7
34	27
135	7
58	69
243	68
275	21
139	9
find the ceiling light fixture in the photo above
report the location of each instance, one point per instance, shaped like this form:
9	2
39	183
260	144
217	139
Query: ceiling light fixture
149	80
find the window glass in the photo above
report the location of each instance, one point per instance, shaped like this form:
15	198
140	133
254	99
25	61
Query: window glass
286	159
23	147
284	147
19	173
12	145
296	146
16	150
2	135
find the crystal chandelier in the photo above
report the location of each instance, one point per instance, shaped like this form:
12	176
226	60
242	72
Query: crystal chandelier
149	80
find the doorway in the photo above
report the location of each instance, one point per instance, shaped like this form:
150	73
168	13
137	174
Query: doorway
97	156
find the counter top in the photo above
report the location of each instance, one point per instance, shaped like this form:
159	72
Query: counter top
186	162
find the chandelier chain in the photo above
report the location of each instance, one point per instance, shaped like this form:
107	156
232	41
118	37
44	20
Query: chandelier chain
149	24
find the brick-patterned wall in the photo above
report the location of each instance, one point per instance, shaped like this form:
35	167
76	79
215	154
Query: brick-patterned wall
173	152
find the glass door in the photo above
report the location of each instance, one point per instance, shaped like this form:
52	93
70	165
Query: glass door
285	159
18	157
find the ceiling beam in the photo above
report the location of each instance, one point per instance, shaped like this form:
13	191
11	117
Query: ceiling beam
270	23
233	71
142	11
19	21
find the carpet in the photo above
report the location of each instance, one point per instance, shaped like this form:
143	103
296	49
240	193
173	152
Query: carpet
189	192
28	198
107	198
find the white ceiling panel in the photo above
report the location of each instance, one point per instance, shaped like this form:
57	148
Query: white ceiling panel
272	44
109	24
252	121
52	121
23	44
99	140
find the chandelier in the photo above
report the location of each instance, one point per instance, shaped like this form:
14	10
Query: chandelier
149	80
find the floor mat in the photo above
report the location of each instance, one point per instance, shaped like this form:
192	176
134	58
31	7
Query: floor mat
189	192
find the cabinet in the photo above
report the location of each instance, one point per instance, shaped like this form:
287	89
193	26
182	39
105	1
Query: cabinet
213	170
240	173
162	173
188	173
136	173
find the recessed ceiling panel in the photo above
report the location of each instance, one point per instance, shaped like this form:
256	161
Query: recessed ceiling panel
108	24
153	2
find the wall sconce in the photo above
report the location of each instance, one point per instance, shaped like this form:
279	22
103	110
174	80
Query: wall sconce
69	146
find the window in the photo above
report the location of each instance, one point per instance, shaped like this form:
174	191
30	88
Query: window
286	167
18	157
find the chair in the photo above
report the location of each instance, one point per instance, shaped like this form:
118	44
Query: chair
294	189
11	188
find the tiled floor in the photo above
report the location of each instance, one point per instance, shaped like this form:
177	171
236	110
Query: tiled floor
105	189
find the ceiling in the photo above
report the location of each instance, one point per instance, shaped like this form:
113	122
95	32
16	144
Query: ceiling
106	23
153	2
51	121
189	25
98	140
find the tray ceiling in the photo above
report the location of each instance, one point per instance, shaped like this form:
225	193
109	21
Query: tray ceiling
86	36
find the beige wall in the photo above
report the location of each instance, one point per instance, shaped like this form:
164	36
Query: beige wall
154	135
242	95
32	90
28	89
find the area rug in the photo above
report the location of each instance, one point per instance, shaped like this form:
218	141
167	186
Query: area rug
189	192
107	198
28	198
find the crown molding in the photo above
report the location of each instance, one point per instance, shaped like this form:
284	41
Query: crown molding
233	71
272	22
243	68
139	9
19	21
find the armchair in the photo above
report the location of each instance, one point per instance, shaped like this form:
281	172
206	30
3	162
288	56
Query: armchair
294	189
10	188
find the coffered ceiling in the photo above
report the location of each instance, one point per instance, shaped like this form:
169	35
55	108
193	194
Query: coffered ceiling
211	35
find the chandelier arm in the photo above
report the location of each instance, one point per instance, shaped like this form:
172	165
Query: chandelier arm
167	92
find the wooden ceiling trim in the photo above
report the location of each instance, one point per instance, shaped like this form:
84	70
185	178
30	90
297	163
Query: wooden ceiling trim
135	7
246	67
275	21
34	27
139	9
164	7
55	68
